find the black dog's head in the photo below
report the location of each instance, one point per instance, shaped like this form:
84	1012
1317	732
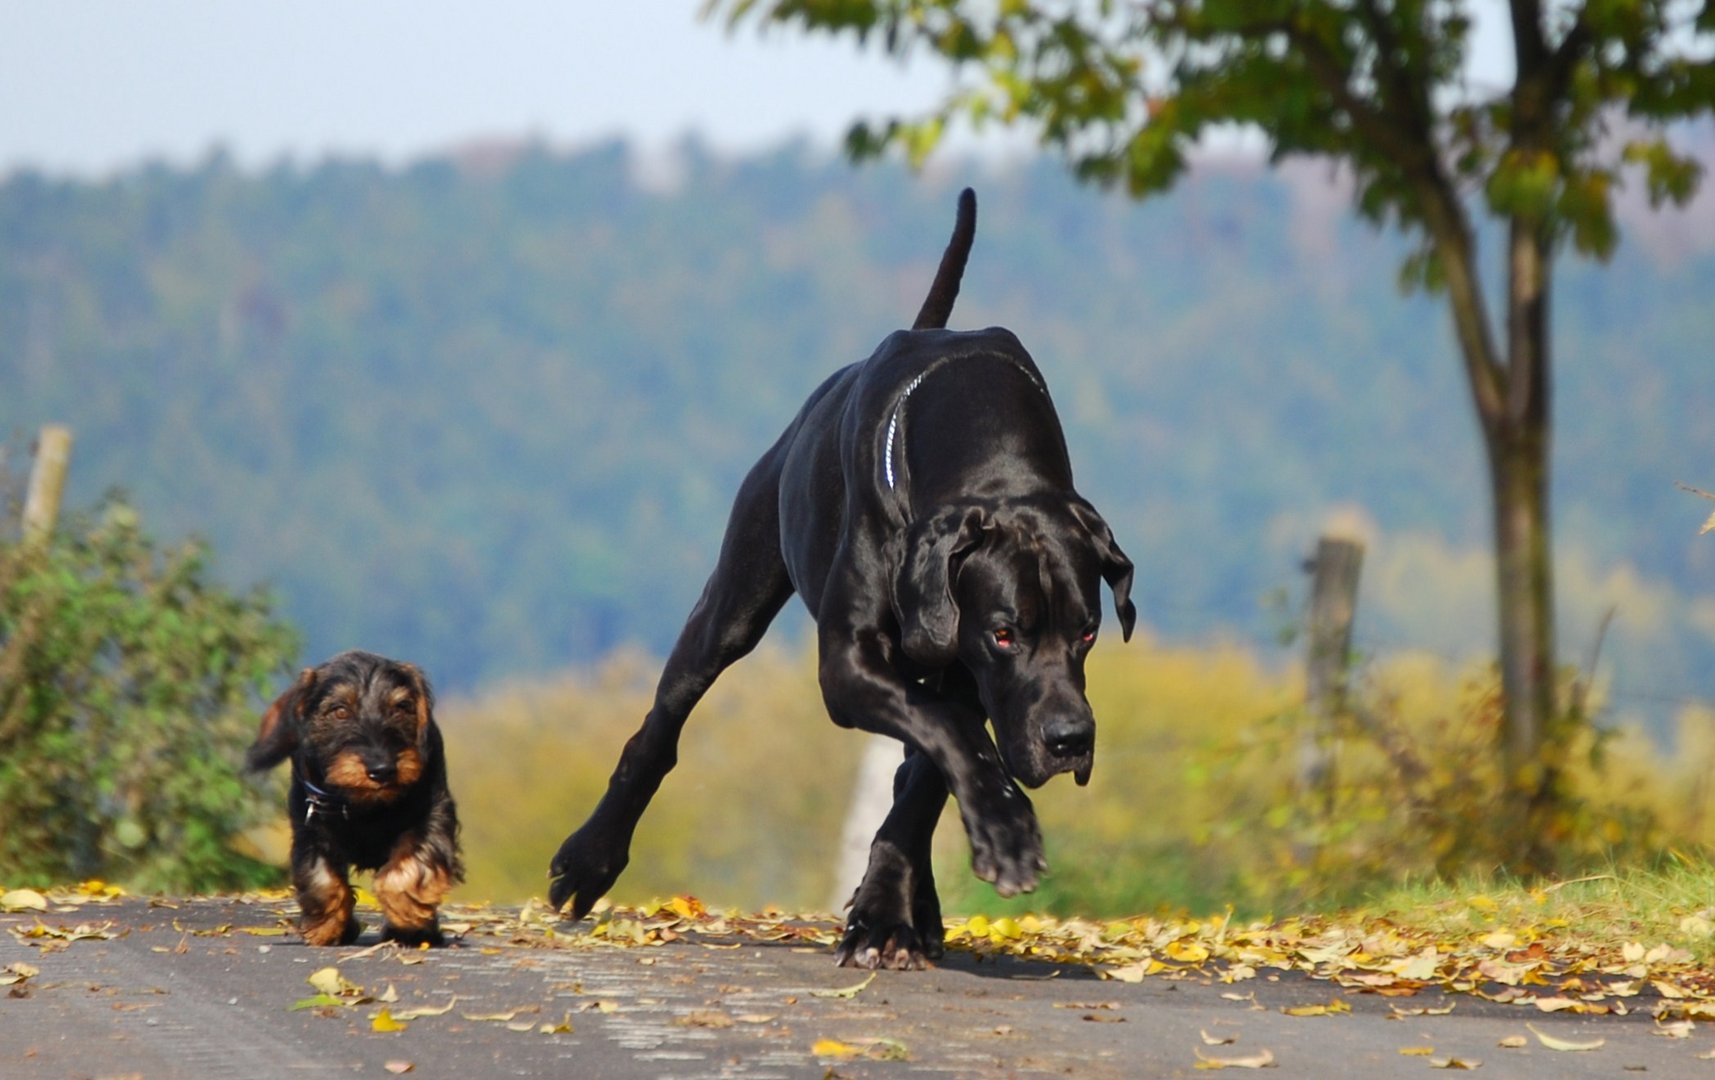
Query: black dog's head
1013	592
359	723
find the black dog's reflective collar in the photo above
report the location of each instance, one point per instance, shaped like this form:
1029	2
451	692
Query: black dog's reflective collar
325	801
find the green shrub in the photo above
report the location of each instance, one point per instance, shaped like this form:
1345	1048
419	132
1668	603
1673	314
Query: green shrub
1195	803
129	688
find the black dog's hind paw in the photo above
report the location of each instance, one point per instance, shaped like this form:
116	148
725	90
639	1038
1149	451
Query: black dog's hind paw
582	872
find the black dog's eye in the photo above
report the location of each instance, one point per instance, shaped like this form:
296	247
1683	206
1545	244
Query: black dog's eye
340	712
1003	637
1089	635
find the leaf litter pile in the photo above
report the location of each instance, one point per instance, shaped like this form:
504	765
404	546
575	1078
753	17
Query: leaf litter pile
1507	952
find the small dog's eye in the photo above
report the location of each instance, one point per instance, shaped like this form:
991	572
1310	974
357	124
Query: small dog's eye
1089	636
1003	637
340	712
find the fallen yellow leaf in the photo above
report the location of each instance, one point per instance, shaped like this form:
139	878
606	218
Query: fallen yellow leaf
330	982
1187	952
1554	1043
704	1018
1262	1060
848	992
23	900
383	1021
1333	1008
833	1048
426	1010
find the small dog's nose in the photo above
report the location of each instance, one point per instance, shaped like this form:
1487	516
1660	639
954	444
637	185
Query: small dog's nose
1070	738
383	772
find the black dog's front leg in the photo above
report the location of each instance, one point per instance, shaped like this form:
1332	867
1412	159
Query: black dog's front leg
863	691
895	918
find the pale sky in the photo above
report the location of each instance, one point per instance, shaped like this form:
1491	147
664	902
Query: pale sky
87	86
90	86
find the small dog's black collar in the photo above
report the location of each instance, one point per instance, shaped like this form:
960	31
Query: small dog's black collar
325	801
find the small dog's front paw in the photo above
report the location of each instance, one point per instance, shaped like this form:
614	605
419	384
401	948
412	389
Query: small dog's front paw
334	928
1006	841
582	871
413	936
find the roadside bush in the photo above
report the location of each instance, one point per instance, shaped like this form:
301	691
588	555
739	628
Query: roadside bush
129	685
1195	803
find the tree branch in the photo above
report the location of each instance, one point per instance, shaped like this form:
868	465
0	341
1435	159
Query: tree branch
1443	216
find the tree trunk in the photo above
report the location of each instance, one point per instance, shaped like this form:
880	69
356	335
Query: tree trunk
1524	590
1518	438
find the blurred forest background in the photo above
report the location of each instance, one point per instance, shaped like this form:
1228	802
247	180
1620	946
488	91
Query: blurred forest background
486	412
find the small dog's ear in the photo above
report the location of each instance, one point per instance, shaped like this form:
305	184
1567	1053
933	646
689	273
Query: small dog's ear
278	737
425	698
923	586
1116	568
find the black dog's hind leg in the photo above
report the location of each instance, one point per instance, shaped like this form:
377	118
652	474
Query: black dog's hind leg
747	589
895	918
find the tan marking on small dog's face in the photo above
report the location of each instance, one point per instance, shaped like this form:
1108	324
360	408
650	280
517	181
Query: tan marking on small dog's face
360	720
325	903
348	774
410	766
410	887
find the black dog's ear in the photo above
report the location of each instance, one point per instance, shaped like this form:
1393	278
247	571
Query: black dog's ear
278	737
1116	568
923	587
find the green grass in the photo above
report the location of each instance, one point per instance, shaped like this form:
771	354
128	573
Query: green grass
1671	903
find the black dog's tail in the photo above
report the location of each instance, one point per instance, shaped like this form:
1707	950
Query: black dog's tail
939	303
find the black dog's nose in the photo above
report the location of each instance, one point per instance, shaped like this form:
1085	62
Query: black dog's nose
383	772
1070	738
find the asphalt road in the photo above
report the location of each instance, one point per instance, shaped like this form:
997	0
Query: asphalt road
217	988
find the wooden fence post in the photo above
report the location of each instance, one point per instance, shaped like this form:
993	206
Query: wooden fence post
1333	605
47	482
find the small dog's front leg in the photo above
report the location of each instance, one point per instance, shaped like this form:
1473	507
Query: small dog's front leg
410	889
325	903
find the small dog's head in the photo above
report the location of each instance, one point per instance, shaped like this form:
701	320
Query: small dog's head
1013	592
359	723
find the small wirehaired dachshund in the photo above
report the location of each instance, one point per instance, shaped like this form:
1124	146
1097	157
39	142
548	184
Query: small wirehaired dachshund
369	789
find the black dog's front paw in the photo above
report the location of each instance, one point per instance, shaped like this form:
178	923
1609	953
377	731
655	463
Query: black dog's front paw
896	946
895	919
1006	841
583	870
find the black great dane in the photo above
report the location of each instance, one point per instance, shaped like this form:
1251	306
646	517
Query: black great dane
921	504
